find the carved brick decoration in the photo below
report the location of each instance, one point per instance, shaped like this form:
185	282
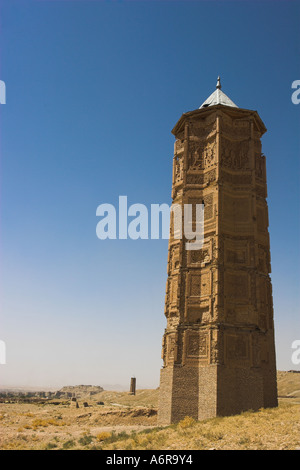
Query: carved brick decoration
237	349
193	348
218	347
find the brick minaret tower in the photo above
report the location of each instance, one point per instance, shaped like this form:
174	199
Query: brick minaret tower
218	346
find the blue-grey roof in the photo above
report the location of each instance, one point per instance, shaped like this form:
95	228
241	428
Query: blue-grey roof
218	97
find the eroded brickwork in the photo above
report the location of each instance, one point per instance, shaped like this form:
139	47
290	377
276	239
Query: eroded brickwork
218	346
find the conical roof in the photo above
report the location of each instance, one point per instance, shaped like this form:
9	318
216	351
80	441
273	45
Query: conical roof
218	97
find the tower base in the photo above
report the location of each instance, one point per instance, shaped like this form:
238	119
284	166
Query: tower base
213	390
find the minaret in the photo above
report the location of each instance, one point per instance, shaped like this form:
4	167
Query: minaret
218	347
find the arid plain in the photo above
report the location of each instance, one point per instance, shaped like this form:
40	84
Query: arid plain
117	420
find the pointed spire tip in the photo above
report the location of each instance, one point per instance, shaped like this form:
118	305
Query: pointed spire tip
218	86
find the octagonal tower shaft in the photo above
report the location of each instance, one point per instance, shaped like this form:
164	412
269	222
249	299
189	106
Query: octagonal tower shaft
218	346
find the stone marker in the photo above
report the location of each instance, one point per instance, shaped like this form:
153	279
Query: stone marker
132	386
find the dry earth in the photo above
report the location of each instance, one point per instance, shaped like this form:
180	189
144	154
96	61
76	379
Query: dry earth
129	422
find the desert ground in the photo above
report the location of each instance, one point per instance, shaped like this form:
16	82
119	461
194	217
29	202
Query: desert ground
117	420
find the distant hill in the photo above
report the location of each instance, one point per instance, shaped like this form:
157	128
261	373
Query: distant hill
289	386
82	390
288	391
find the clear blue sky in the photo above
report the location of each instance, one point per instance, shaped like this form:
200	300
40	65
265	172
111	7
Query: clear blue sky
93	91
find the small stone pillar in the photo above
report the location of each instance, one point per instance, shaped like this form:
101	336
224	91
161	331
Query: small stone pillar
132	386
74	402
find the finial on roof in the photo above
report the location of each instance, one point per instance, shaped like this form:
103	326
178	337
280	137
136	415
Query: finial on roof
218	97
